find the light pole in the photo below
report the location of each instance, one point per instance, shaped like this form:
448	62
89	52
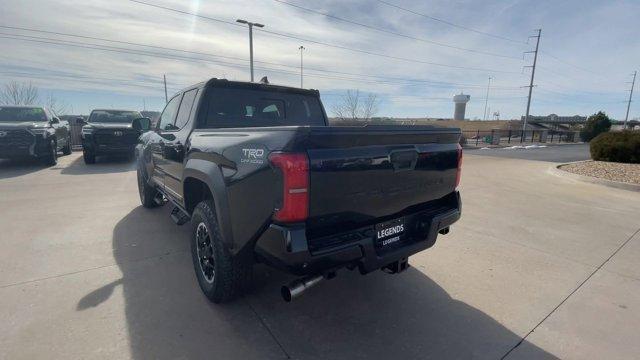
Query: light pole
486	100
251	25
301	48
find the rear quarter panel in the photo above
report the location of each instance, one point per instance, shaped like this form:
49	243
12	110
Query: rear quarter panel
249	187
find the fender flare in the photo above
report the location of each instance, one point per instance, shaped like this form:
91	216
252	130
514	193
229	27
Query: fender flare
210	173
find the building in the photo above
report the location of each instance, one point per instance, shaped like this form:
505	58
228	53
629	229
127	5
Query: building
461	101
553	118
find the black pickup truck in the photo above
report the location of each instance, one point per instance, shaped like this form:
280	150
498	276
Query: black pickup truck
32	132
262	177
111	132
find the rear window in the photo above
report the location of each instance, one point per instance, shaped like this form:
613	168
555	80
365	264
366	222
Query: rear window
19	114
230	108
113	116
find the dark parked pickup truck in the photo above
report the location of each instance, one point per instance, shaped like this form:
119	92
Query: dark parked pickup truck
262	177
32	132
111	132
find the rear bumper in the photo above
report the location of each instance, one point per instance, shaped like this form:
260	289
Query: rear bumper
288	248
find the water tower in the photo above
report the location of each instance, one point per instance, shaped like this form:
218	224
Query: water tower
461	101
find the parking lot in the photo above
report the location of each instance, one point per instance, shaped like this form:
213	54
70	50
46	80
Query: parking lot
537	260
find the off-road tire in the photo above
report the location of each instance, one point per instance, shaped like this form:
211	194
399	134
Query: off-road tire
89	157
147	192
51	158
67	149
232	274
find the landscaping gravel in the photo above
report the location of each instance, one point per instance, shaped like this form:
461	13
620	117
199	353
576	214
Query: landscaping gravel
629	173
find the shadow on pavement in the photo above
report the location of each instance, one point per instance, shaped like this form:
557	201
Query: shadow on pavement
376	316
15	168
103	165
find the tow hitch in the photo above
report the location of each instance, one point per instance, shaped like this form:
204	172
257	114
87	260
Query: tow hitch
397	266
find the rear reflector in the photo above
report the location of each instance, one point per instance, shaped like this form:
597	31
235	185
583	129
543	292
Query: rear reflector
459	171
295	179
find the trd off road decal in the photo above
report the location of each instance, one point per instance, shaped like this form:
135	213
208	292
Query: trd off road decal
252	155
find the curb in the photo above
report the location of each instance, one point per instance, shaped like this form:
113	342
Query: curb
502	146
555	170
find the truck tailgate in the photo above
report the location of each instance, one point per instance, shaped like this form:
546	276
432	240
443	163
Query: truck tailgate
359	175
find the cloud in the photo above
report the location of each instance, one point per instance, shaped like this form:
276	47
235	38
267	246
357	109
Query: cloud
586	60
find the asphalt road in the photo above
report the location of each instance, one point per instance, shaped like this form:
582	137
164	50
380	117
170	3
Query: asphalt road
551	153
537	260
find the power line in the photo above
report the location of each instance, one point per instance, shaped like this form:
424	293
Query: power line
434	82
88	80
450	23
158	84
395	33
546	53
352	49
192	59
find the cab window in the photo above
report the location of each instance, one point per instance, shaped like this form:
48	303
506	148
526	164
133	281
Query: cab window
168	116
186	107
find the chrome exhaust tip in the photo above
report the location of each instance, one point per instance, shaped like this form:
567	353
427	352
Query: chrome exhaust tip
299	286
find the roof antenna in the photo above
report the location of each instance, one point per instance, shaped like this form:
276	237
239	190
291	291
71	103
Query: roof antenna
264	80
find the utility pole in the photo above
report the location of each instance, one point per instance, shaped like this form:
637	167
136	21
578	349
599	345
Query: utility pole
486	100
251	25
301	48
633	83
533	73
166	97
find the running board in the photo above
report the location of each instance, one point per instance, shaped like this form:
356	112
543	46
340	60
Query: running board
159	199
179	217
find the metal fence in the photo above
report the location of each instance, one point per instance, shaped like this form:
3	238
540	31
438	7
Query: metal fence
76	134
501	137
75	129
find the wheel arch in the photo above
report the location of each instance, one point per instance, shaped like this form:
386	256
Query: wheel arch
202	179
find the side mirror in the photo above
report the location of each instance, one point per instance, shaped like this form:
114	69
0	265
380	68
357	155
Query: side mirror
81	121
54	120
142	124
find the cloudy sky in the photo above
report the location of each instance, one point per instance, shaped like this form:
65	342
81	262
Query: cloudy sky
414	55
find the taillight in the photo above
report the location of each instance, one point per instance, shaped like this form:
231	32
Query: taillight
459	171
295	179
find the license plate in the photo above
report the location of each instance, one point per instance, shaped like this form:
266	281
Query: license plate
389	232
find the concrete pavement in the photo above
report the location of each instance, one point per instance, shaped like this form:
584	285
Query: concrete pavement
553	153
85	272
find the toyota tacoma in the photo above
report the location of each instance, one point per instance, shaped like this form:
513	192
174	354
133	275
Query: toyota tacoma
111	132
261	176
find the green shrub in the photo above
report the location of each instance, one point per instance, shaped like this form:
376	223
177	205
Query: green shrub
596	124
623	146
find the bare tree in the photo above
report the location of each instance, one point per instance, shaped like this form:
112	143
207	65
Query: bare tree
58	107
15	93
370	106
352	107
